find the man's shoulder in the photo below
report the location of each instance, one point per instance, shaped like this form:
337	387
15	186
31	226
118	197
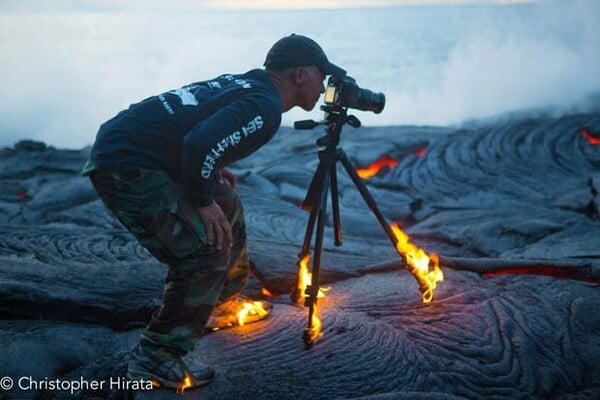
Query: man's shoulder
259	80
256	74
260	92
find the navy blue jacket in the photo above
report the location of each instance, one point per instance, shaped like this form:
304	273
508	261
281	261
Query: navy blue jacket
193	131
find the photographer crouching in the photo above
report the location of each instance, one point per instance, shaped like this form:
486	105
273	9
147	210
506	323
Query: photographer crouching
159	167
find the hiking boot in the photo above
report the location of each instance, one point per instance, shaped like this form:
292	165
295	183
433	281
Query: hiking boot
172	373
241	310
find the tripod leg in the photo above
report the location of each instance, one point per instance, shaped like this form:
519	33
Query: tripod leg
362	188
313	196
311	203
426	275
335	205
313	332
297	294
310	226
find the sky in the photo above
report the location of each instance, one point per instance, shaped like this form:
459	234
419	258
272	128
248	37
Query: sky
69	65
157	5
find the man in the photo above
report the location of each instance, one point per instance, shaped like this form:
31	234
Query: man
159	168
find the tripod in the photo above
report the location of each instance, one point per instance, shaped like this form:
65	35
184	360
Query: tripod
324	181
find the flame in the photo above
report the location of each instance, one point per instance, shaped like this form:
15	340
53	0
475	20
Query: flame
418	263
265	292
421	151
304	276
155	383
590	138
185	384
305	279
375	167
250	308
314	332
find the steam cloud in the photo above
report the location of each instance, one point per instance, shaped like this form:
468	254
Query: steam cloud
502	68
65	73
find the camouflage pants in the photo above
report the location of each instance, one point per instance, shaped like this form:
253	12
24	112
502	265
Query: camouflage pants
155	209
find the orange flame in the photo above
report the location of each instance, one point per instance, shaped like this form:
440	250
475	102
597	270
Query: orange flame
314	332
265	292
590	138
186	384
419	264
304	277
250	308
304	281
375	167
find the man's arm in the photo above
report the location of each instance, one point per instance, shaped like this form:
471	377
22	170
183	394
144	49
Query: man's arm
231	133
213	217
223	175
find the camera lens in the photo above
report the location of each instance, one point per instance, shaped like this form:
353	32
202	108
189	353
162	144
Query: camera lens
369	101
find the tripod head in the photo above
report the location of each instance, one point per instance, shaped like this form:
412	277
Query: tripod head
335	118
341	94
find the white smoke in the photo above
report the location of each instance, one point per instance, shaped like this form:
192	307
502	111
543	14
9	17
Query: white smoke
549	60
65	73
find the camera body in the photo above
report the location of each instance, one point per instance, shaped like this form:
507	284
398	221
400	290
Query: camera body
344	92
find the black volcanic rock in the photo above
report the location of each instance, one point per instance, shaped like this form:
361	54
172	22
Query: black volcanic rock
501	203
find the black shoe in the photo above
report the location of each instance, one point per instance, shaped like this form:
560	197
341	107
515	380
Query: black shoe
172	373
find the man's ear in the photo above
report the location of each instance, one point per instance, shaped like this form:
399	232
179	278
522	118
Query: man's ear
299	75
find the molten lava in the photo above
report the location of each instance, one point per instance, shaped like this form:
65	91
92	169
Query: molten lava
594	140
385	161
374	168
555	272
265	292
425	268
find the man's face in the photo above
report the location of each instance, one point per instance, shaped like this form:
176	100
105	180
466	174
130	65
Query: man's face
310	87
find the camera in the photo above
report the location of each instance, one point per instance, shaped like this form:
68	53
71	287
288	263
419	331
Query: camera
344	92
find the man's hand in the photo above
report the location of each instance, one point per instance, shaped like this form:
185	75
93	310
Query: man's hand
224	174
216	224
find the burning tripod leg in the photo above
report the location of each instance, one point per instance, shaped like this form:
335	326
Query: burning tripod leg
316	202
313	330
424	268
304	293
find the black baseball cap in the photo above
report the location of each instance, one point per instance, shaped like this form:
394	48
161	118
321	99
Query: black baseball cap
297	51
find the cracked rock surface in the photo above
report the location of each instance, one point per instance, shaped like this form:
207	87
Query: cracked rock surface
511	206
